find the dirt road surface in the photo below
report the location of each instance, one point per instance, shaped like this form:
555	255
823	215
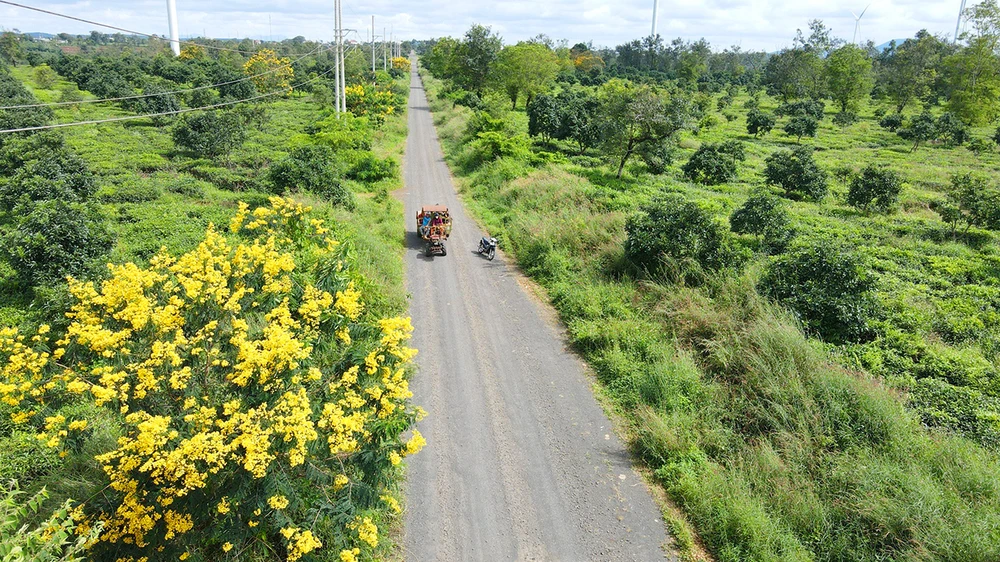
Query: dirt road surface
521	463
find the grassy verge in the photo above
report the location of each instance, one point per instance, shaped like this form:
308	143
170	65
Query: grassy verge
771	447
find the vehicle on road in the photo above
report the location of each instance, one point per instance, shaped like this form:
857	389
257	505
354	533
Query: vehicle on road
434	227
488	247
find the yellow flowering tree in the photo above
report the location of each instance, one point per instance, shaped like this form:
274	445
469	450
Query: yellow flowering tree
370	101
261	409
269	72
401	63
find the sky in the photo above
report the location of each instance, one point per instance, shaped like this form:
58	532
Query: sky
752	24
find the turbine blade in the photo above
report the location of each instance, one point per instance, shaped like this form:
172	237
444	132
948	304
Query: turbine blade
863	11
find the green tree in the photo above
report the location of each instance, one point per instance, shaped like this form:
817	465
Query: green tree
849	77
440	59
974	72
672	227
793	73
908	72
635	114
12	92
10	47
53	239
544	117
972	200
801	126
44	76
876	187
922	128
212	133
525	68
759	123
40	167
474	57
310	168
763	215
797	173
713	164
830	288
579	117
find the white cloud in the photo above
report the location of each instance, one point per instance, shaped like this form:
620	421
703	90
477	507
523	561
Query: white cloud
753	24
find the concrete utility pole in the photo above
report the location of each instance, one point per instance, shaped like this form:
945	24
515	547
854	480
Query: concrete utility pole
373	43
175	42
336	56
653	32
385	53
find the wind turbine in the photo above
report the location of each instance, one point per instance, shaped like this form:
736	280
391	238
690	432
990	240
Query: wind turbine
959	22
857	23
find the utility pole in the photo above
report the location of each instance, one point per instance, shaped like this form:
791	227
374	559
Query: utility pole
385	53
373	44
175	42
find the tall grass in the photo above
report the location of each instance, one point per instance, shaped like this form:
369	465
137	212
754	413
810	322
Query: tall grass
772	449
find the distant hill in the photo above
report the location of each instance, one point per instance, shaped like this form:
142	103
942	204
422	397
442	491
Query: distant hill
39	35
885	45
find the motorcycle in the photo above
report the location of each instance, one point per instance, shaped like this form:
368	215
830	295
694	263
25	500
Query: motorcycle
488	247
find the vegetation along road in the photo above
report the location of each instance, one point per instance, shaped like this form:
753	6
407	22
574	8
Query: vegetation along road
521	462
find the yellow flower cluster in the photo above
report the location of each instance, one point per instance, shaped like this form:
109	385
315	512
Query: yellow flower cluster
209	360
268	72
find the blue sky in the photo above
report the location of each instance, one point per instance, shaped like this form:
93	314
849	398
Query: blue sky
752	24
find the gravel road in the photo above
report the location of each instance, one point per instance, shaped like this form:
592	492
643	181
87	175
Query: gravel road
521	463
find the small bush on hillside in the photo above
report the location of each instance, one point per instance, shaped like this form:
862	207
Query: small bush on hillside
801	126
657	156
802	108
845	118
797	173
764	216
972	201
672	227
759	123
713	164
133	190
830	289
922	128
53	239
370	169
875	188
212	134
41	167
891	122
310	168
951	130
492	145
980	146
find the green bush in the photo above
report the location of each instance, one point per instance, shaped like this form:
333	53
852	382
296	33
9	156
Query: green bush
133	190
370	169
186	185
845	118
41	167
802	108
26	459
891	122
492	145
674	228
713	164
797	173
876	187
310	168
801	126
759	123
656	155
212	133
830	288
53	239
764	216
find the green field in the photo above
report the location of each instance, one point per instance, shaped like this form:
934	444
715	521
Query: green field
774	445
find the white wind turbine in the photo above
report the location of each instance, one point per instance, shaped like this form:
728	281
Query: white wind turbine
857	23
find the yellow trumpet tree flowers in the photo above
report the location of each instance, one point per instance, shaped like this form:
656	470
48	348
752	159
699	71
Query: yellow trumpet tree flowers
260	409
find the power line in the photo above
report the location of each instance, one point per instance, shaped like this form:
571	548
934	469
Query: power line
165	113
315	51
123	30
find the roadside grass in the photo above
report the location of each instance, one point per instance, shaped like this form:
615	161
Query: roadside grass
776	446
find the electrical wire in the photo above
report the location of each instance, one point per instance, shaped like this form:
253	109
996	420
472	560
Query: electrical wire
176	112
123	30
316	51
